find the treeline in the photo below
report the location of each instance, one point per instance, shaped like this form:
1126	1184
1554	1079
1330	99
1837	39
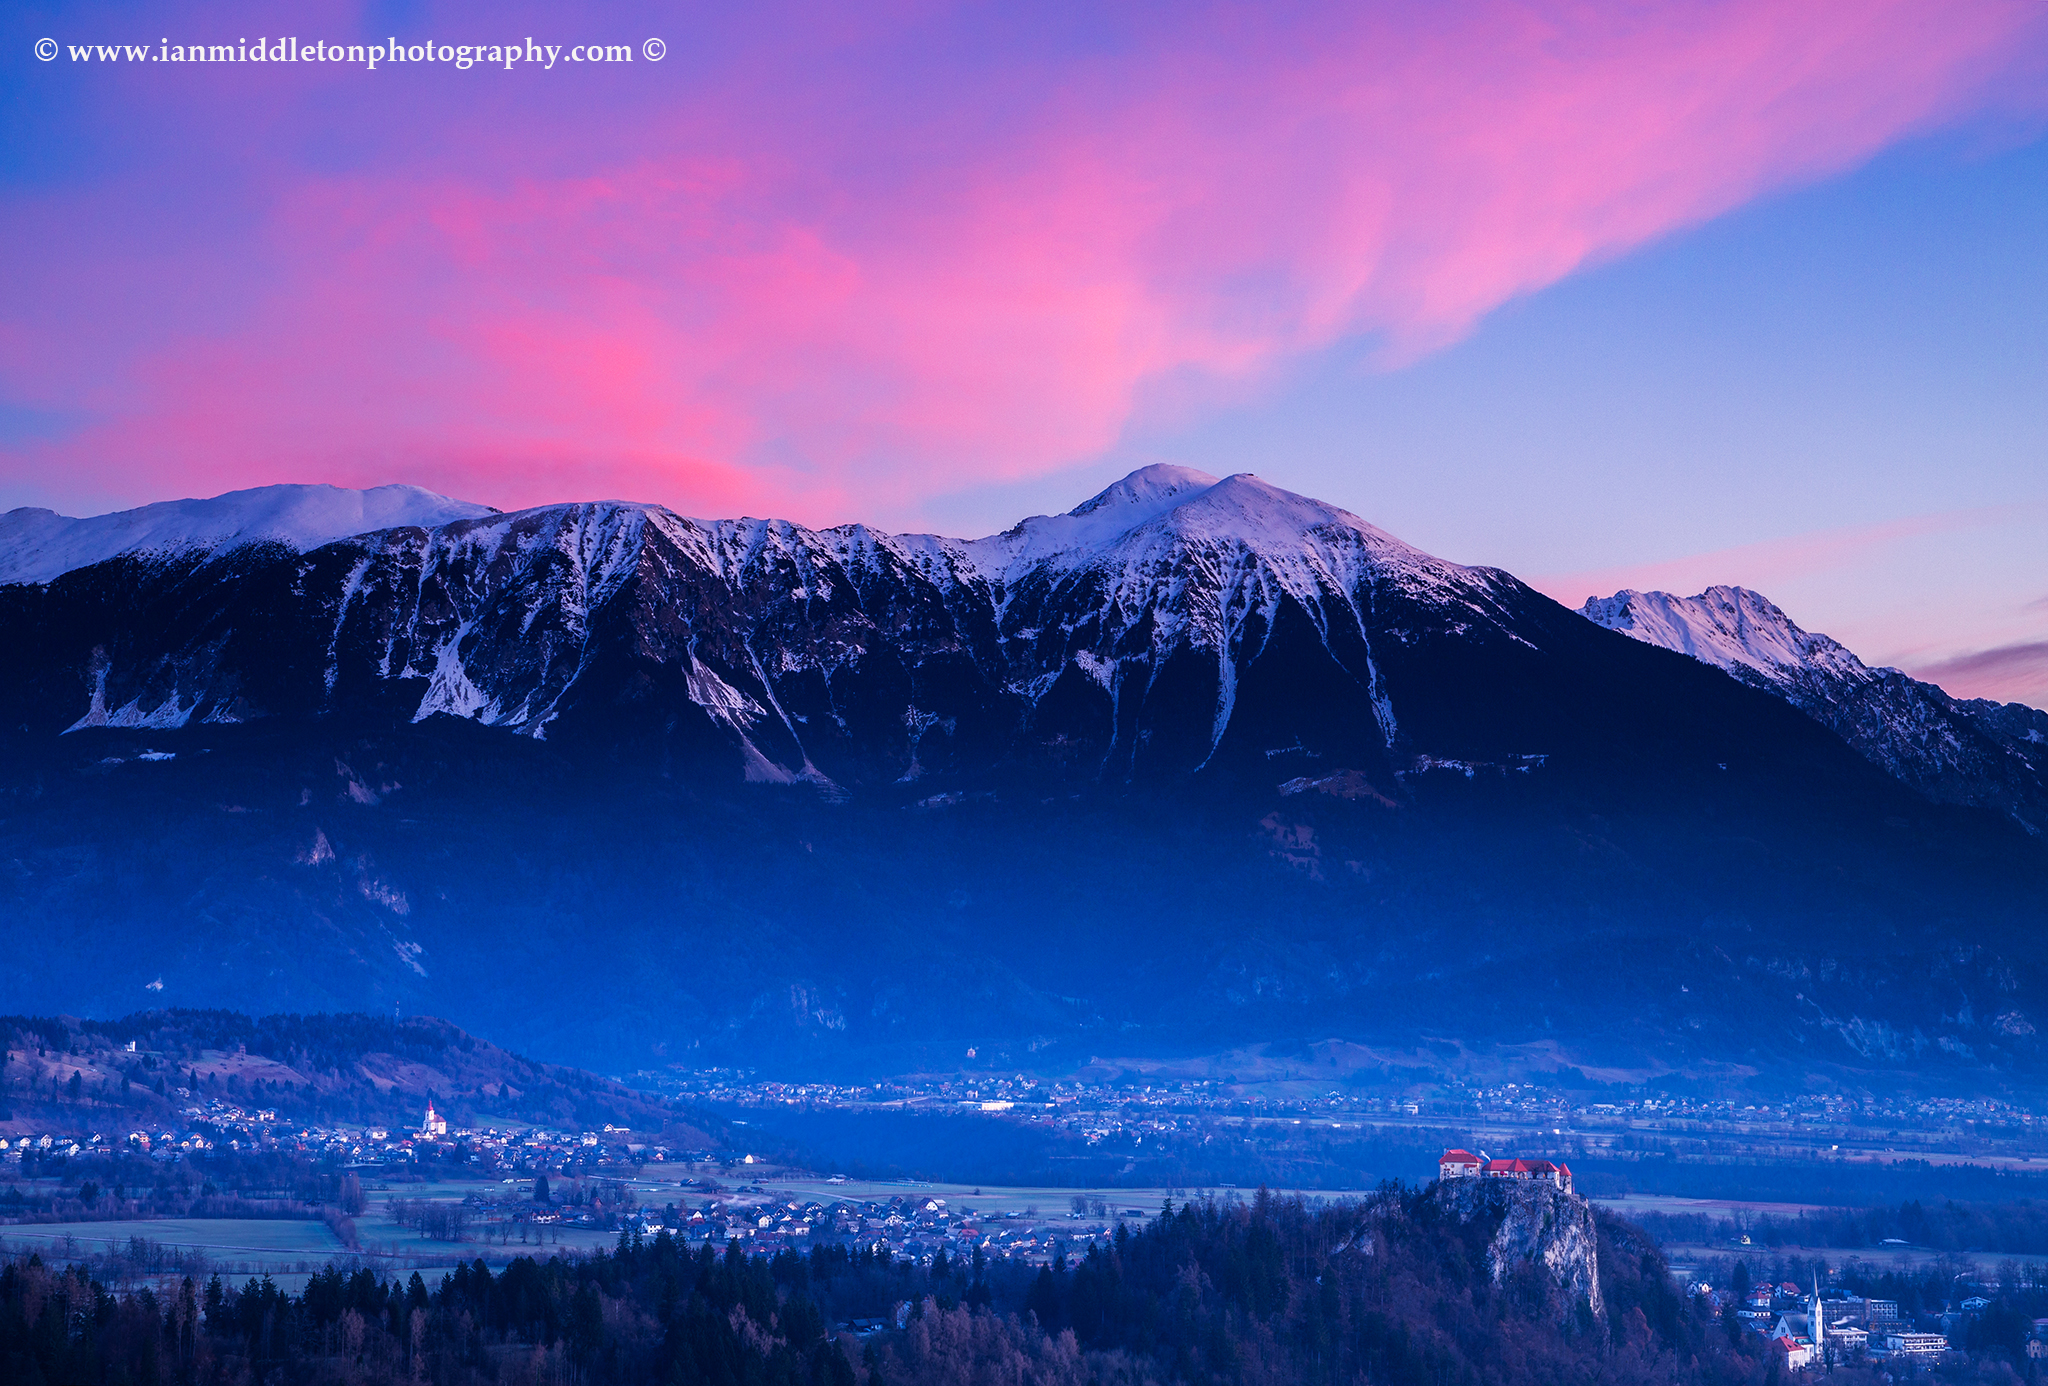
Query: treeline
319	1042
1387	1289
441	1221
123	1184
2019	1227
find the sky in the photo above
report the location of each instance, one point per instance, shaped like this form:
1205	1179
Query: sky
1607	294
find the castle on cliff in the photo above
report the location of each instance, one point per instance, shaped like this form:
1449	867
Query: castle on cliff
1463	1164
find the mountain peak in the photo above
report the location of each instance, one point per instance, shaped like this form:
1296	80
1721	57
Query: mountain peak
1732	628
40	545
1179	505
1152	488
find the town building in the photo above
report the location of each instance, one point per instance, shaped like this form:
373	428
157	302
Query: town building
1916	1344
433	1124
1846	1340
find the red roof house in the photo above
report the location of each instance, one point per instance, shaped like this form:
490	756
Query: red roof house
1458	1164
1559	1175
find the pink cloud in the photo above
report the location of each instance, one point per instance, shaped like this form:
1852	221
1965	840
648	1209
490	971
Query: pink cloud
841	262
2005	673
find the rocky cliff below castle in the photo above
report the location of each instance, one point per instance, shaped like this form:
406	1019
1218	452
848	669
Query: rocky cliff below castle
1535	1235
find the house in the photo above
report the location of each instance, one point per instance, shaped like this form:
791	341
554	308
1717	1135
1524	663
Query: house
1458	1164
1559	1175
1798	1352
1976	1304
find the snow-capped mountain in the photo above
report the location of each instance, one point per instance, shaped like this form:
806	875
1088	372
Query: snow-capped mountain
1171	620
1201	761
40	545
1952	750
1174	622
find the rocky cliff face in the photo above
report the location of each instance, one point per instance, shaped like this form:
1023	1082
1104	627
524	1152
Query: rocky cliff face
1536	1226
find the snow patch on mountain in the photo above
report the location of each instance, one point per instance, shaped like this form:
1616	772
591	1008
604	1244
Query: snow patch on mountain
165	716
450	688
39	546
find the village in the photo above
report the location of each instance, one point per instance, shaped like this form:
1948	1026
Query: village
507	1192
1820	1326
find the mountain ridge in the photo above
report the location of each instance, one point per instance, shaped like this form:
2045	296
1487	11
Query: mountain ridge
1953	750
38	545
1057	607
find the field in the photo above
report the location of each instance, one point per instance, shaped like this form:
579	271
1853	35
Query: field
236	1246
386	1241
1636	1205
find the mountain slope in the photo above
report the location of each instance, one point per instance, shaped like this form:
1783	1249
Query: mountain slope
1952	750
1198	765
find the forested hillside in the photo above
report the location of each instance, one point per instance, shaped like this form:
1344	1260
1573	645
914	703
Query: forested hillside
1396	1287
